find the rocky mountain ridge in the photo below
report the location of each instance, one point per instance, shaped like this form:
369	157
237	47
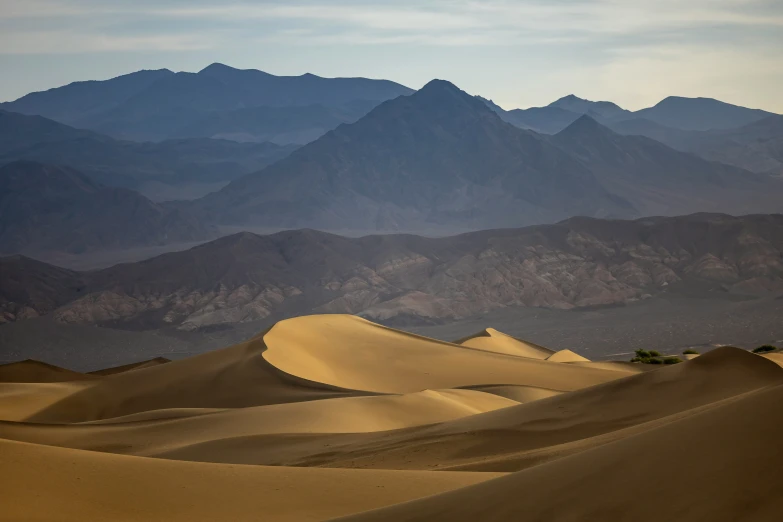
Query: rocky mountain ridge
580	262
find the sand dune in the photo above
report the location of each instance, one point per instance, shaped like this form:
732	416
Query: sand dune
163	431
46	483
517	437
350	352
719	465
277	428
566	356
234	377
130	367
35	371
777	358
492	340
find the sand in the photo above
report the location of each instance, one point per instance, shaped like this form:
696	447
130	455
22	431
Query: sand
132	366
492	340
47	483
322	417
34	371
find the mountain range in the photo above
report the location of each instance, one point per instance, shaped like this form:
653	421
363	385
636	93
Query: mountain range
440	159
748	138
580	262
219	100
378	157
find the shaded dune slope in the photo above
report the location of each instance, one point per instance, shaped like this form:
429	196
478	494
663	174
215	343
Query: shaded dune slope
132	366
35	371
521	436
160	432
729	475
82	485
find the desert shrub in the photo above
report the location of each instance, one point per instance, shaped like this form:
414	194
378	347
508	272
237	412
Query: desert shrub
765	348
654	361
672	360
642	354
653	353
636	359
690	351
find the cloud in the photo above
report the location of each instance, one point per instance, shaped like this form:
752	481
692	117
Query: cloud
63	42
434	23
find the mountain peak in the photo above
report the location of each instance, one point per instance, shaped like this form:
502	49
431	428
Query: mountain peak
216	68
440	86
584	124
567	101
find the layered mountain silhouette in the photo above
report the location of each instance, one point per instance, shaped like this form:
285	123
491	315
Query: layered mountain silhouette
436	159
700	114
45	207
670	116
442	159
757	146
130	164
155	105
660	180
602	109
404	278
298	124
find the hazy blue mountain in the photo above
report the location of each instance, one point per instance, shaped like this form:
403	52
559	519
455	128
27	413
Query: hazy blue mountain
131	164
164	102
49	208
76	101
700	114
438	158
601	109
298	124
557	115
757	147
658	179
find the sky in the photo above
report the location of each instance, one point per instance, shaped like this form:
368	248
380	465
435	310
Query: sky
519	53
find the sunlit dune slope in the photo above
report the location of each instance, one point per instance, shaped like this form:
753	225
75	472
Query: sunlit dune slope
160	431
492	340
566	356
47	483
721	465
350	352
777	358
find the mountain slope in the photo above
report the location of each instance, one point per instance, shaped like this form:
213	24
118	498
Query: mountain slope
44	207
436	159
660	180
601	109
757	147
410	279
30	288
283	125
129	164
78	100
559	114
700	114
165	102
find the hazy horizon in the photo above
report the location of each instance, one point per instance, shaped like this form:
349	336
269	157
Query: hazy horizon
519	54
